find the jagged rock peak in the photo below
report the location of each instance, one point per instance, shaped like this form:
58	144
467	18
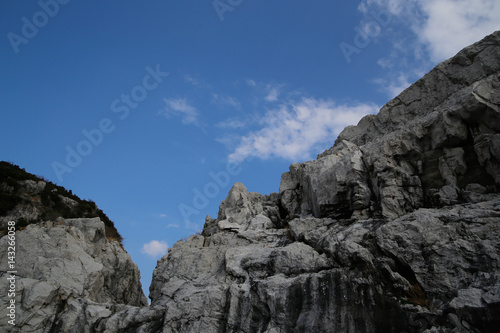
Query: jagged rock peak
243	210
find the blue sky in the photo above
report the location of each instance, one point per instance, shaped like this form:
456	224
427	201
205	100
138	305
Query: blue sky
153	110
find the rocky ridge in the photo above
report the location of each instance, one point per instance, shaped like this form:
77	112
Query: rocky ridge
66	269
29	199
67	272
396	228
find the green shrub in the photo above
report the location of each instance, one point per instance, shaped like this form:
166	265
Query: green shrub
52	204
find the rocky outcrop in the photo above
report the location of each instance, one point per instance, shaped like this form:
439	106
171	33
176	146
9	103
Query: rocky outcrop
396	228
432	268
29	199
67	272
422	150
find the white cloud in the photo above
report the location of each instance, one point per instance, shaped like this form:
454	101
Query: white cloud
296	129
395	84
171	225
450	25
272	95
273	92
395	7
425	32
181	108
191	80
155	248
443	27
230	141
226	101
231	123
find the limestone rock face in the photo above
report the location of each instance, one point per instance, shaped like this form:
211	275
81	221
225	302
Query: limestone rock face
66	271
421	150
395	228
430	269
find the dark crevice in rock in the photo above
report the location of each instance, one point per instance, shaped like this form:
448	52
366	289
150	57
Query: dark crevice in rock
57	324
475	172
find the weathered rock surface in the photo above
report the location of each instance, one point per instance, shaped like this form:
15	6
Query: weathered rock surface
68	273
29	199
421	150
435	267
396	228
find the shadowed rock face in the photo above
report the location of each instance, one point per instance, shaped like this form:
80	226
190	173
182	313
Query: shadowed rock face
422	150
396	228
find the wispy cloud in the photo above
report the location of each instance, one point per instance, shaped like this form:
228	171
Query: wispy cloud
273	92
393	85
226	101
231	123
189	79
229	140
270	92
298	128
180	107
450	25
155	248
426	32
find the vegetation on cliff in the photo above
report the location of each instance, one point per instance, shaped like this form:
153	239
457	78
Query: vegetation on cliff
22	192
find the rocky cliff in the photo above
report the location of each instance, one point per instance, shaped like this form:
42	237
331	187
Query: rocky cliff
396	228
29	199
64	269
